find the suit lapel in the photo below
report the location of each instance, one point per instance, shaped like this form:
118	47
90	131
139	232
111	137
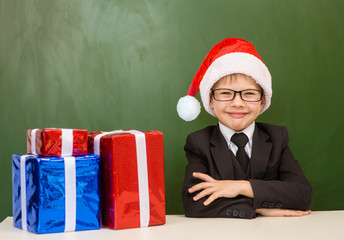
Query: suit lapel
261	150
221	154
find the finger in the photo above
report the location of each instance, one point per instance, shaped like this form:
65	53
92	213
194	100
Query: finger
296	213
203	176
287	213
200	186
211	198
304	213
204	193
293	214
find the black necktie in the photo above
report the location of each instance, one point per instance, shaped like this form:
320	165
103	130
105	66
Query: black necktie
240	140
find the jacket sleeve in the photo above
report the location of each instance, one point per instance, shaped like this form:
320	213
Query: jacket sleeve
200	160
289	189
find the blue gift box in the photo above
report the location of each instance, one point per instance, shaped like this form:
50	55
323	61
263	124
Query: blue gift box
61	194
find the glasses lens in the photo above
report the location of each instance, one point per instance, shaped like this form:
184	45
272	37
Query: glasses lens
251	95
223	94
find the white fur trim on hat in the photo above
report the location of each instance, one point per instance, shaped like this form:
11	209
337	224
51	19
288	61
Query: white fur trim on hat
237	62
188	108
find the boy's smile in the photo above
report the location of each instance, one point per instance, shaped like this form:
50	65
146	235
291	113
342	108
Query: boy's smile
236	114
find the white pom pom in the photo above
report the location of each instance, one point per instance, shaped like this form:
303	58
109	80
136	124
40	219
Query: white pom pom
188	108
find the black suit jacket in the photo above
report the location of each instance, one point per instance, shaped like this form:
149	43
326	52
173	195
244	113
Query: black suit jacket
276	177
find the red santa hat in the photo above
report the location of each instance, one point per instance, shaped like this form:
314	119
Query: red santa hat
232	55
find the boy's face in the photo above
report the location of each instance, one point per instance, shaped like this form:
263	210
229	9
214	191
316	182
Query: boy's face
237	114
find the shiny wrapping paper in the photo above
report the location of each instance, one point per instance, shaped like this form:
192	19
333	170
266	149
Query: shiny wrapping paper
90	141
46	200
49	142
120	193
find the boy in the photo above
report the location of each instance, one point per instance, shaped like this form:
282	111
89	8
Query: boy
238	168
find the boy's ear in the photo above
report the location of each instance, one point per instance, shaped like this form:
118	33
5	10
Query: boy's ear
211	101
263	101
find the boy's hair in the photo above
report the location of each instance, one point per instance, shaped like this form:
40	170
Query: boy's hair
233	77
232	55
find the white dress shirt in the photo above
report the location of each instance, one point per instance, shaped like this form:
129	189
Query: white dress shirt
228	133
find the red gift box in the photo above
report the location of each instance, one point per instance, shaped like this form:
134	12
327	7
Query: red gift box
57	142
132	178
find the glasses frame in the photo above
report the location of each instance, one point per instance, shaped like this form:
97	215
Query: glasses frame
235	92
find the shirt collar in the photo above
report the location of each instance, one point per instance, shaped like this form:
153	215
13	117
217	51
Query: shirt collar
228	133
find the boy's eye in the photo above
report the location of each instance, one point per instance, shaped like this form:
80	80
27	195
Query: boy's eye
250	93
227	93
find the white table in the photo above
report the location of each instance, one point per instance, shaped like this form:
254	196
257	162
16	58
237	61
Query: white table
319	225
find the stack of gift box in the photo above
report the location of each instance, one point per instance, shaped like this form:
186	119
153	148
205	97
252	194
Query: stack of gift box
72	180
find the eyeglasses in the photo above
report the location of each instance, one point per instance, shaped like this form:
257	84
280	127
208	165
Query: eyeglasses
247	95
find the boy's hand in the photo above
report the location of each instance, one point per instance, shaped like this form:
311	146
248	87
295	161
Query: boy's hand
217	189
275	212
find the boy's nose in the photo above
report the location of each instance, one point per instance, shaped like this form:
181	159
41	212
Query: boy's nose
237	101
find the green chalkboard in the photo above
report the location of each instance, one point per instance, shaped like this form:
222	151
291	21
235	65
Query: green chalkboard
106	64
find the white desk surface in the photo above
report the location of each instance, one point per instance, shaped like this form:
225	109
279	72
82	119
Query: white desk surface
319	225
